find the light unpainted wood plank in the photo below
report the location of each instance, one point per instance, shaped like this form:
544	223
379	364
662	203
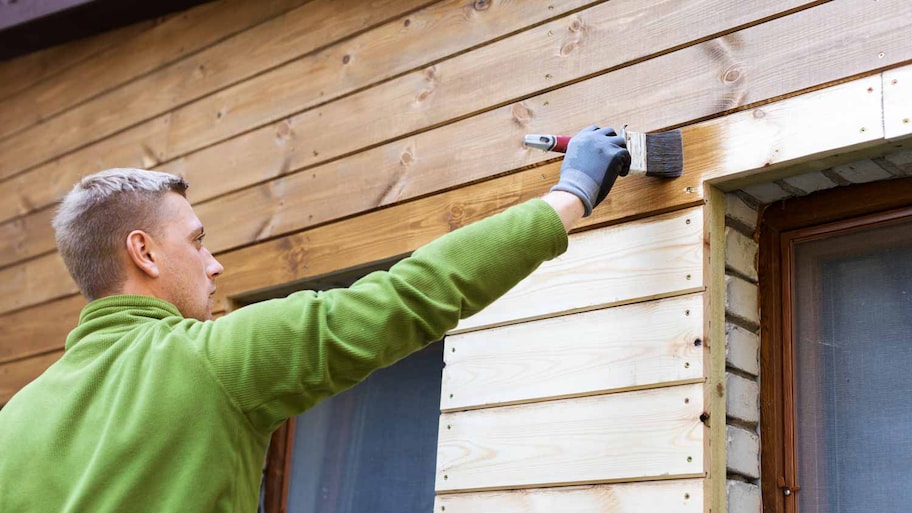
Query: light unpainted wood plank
646	259
768	142
897	102
35	281
175	38
15	375
24	72
679	496
633	436
38	329
646	345
277	149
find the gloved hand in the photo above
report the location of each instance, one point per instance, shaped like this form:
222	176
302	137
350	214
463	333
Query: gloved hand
594	159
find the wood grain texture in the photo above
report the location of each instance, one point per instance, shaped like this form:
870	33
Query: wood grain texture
633	436
436	32
39	329
35	281
412	167
678	496
451	88
24	72
15	375
629	347
175	38
26	237
651	258
327	73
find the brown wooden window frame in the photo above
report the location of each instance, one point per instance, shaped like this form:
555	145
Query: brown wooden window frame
827	212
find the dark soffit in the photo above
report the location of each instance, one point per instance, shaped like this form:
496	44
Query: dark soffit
30	25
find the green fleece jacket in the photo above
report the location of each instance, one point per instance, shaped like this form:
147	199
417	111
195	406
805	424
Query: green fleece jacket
150	412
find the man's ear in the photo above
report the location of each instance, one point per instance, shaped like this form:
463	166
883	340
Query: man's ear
140	248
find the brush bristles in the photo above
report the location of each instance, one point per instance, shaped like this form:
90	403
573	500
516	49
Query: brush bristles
665	154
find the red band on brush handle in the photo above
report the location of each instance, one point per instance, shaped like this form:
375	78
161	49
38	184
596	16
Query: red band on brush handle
561	145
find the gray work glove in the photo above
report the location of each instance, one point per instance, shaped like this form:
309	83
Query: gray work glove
595	157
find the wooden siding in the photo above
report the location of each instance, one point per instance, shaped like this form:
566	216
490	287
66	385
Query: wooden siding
322	135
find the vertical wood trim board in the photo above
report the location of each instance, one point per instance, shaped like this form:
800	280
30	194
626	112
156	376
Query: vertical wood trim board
715	350
897	102
631	436
679	496
627	347
656	257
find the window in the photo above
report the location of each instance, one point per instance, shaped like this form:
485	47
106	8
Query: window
370	448
836	351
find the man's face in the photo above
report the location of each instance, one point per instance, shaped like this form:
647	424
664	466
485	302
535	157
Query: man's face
188	269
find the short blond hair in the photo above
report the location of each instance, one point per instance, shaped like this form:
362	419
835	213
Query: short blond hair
94	219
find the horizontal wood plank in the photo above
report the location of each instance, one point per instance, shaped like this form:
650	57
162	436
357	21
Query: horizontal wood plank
173	39
491	143
414	166
636	346
451	90
330	72
39	329
633	436
647	259
15	375
770	141
768	138
436	32
25	71
678	496
34	282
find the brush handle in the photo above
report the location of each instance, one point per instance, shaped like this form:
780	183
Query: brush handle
560	146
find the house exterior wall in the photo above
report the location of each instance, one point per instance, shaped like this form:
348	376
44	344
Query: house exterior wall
323	135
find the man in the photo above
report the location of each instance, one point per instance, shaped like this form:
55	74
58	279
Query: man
155	407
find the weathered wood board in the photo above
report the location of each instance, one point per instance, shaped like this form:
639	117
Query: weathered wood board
643	345
632	436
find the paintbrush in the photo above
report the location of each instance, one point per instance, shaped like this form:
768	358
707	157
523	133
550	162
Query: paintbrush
659	154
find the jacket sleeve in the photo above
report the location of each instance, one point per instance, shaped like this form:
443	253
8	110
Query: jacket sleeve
280	357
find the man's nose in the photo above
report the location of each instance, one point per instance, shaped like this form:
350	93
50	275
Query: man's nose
214	268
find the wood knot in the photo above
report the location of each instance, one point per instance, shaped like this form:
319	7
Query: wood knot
576	25
568	48
521	113
733	74
481	5
759	114
407	22
346	58
283	130
406	158
430	74
455	214
720	389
